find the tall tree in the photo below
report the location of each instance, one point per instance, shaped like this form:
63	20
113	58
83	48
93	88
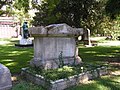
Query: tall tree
4	3
44	15
113	8
22	8
77	13
22	5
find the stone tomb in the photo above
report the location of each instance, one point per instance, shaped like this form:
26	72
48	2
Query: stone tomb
5	78
53	41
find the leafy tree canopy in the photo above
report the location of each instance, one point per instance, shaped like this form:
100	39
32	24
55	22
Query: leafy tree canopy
2	3
45	15
76	13
113	8
22	5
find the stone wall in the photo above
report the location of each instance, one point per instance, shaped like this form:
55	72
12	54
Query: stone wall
62	84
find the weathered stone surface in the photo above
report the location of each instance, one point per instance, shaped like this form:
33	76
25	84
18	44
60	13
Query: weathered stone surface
51	41
86	38
56	30
5	78
103	71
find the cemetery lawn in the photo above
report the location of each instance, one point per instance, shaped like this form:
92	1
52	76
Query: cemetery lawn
16	58
13	57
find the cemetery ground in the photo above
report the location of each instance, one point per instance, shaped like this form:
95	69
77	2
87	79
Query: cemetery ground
16	58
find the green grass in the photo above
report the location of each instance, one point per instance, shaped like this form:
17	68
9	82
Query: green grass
26	86
100	55
104	83
13	57
63	72
16	58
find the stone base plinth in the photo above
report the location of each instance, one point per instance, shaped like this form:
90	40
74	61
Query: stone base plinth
25	42
54	63
28	45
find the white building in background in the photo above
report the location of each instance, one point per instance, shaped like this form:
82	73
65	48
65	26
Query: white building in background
10	26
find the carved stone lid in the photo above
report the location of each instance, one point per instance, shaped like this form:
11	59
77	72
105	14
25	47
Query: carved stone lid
56	30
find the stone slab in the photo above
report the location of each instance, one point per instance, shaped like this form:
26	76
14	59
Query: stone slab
57	30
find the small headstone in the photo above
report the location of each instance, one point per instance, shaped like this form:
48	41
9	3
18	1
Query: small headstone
5	78
86	38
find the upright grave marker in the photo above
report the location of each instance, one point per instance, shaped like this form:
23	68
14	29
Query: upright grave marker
52	41
5	78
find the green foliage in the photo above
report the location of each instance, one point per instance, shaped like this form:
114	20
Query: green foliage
45	16
2	3
22	5
55	74
75	12
63	72
113	8
22	85
61	62
84	13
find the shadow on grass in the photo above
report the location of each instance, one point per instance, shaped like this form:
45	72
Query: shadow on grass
26	86
15	58
113	83
105	83
101	55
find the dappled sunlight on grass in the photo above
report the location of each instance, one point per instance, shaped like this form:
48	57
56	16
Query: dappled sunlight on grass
98	53
104	55
8	60
116	51
101	55
4	42
104	83
110	82
11	64
27	86
15	58
90	86
90	52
